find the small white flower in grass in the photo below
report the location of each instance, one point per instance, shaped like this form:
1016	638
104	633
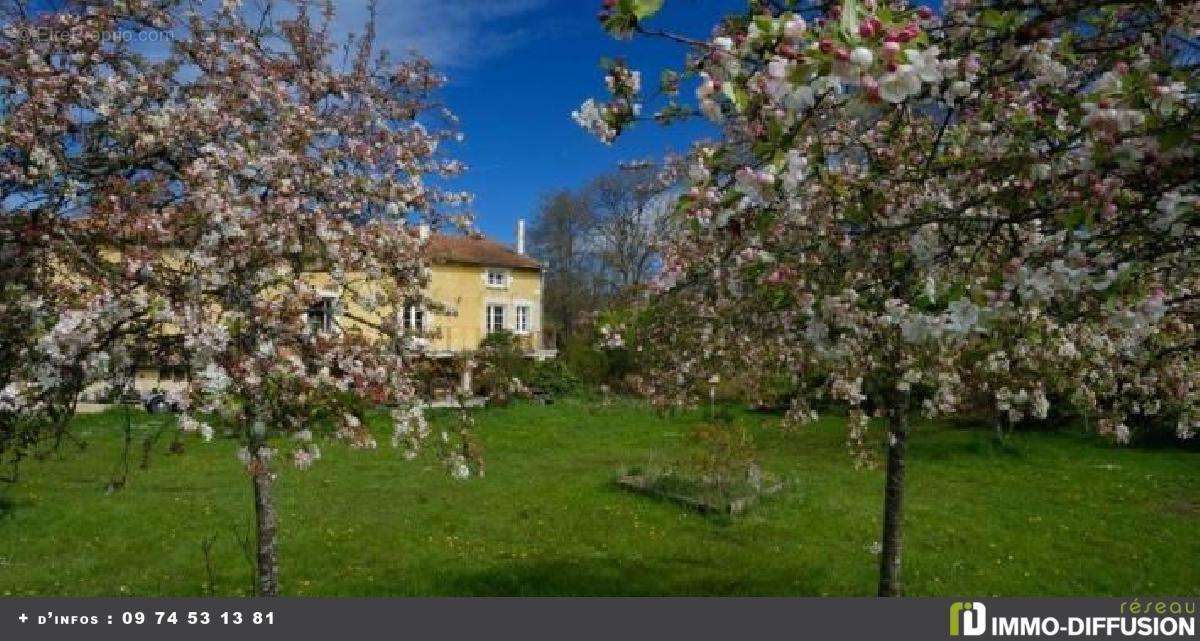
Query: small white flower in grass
875	547
459	469
188	424
302	459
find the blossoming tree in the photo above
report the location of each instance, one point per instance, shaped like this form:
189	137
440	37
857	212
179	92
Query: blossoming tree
69	90
241	200
988	207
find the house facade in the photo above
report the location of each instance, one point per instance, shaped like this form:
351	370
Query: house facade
477	286
485	287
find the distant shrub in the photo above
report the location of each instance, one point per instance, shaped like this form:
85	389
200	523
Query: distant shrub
589	363
502	366
552	377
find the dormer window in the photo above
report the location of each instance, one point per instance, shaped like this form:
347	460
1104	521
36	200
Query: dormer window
497	278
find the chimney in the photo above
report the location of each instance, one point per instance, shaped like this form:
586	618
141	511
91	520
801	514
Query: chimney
423	231
521	236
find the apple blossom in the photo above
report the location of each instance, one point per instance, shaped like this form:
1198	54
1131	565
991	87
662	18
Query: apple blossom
254	213
995	216
862	57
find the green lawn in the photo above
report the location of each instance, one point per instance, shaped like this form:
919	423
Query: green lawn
1048	514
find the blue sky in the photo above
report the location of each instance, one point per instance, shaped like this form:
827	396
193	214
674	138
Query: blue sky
517	69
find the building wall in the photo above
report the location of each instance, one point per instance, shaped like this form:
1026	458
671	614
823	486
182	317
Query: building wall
465	290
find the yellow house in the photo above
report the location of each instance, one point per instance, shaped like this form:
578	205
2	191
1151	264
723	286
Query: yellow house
486	287
480	286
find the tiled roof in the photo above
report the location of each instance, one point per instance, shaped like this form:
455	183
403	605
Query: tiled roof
472	250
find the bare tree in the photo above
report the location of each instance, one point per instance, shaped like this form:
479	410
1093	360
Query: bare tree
629	207
599	243
559	237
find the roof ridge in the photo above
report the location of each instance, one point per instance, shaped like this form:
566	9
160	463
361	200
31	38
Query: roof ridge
478	250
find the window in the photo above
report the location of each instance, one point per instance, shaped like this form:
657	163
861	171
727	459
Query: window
320	315
522	319
414	318
497	278
495	318
176	373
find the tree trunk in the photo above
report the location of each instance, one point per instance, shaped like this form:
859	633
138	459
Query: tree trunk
267	568
893	504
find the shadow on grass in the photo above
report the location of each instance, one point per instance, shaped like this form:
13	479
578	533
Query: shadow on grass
620	577
7	506
965	444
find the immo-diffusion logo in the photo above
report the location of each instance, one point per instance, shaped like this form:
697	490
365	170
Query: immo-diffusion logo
968	618
1133	619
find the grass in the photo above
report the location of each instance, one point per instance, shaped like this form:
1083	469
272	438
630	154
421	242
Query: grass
1045	514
